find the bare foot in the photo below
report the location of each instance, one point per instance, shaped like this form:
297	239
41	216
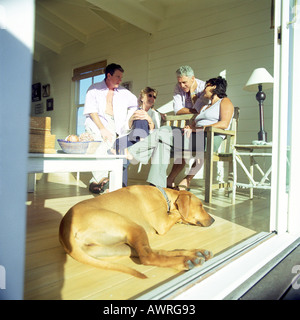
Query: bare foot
184	184
170	184
128	154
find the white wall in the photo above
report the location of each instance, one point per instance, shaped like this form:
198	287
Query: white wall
236	38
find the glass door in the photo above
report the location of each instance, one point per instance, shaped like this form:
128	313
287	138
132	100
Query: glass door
231	268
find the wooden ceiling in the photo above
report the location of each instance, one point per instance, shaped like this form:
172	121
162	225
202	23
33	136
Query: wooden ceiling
60	23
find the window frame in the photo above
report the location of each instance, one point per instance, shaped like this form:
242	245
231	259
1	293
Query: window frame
80	73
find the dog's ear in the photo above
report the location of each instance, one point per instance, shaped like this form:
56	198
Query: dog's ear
183	203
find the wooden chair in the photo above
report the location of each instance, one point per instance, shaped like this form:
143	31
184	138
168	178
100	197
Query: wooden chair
225	155
179	121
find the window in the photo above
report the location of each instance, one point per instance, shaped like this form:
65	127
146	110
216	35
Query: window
84	77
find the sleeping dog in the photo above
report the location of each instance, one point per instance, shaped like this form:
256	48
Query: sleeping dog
117	223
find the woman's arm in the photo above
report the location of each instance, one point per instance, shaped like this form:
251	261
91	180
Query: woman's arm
226	113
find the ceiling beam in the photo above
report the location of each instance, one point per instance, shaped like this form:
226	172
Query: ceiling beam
60	23
47	42
106	18
154	10
129	12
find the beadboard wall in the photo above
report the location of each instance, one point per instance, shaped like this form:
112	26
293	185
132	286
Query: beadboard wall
231	39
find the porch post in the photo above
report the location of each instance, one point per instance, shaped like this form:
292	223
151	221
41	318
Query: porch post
16	38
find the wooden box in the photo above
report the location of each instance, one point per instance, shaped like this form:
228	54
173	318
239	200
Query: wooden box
40	139
42	143
40	125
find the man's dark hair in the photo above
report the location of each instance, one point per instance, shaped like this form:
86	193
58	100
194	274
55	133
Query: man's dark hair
111	68
221	86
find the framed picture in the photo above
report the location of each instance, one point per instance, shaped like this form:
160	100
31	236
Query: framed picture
39	108
46	90
127	85
49	104
36	92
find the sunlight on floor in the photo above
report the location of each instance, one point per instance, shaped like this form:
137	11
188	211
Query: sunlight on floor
51	274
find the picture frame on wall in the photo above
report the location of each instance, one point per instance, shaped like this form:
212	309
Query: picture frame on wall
50	104
39	108
127	85
36	92
46	90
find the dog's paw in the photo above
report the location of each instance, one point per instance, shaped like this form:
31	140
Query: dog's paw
206	254
190	264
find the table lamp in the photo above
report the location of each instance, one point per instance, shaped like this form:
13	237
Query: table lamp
260	78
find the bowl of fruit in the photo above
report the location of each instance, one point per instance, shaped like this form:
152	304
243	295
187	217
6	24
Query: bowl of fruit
83	144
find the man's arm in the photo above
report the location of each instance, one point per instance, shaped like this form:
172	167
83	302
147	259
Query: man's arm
106	135
186	111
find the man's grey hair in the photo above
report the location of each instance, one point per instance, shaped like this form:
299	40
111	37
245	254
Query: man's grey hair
185	71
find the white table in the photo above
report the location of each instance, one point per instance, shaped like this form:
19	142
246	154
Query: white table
63	162
251	151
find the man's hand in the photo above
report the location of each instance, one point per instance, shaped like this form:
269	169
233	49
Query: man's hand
106	135
186	111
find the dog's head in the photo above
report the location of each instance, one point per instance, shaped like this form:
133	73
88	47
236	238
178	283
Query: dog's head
191	210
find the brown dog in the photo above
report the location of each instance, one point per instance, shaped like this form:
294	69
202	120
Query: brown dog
117	223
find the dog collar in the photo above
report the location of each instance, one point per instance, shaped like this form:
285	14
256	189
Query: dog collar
166	197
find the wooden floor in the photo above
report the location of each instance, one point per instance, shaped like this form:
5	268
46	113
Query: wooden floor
51	274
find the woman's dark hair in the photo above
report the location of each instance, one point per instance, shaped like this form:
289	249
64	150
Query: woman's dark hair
111	68
221	86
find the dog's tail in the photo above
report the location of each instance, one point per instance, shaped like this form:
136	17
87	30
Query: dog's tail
80	255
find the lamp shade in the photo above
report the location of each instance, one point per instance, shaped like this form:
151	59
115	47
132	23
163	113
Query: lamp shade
259	76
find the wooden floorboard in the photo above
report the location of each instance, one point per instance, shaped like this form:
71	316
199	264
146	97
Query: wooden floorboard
51	274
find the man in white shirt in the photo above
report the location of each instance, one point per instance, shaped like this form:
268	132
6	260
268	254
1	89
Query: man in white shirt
187	91
108	108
